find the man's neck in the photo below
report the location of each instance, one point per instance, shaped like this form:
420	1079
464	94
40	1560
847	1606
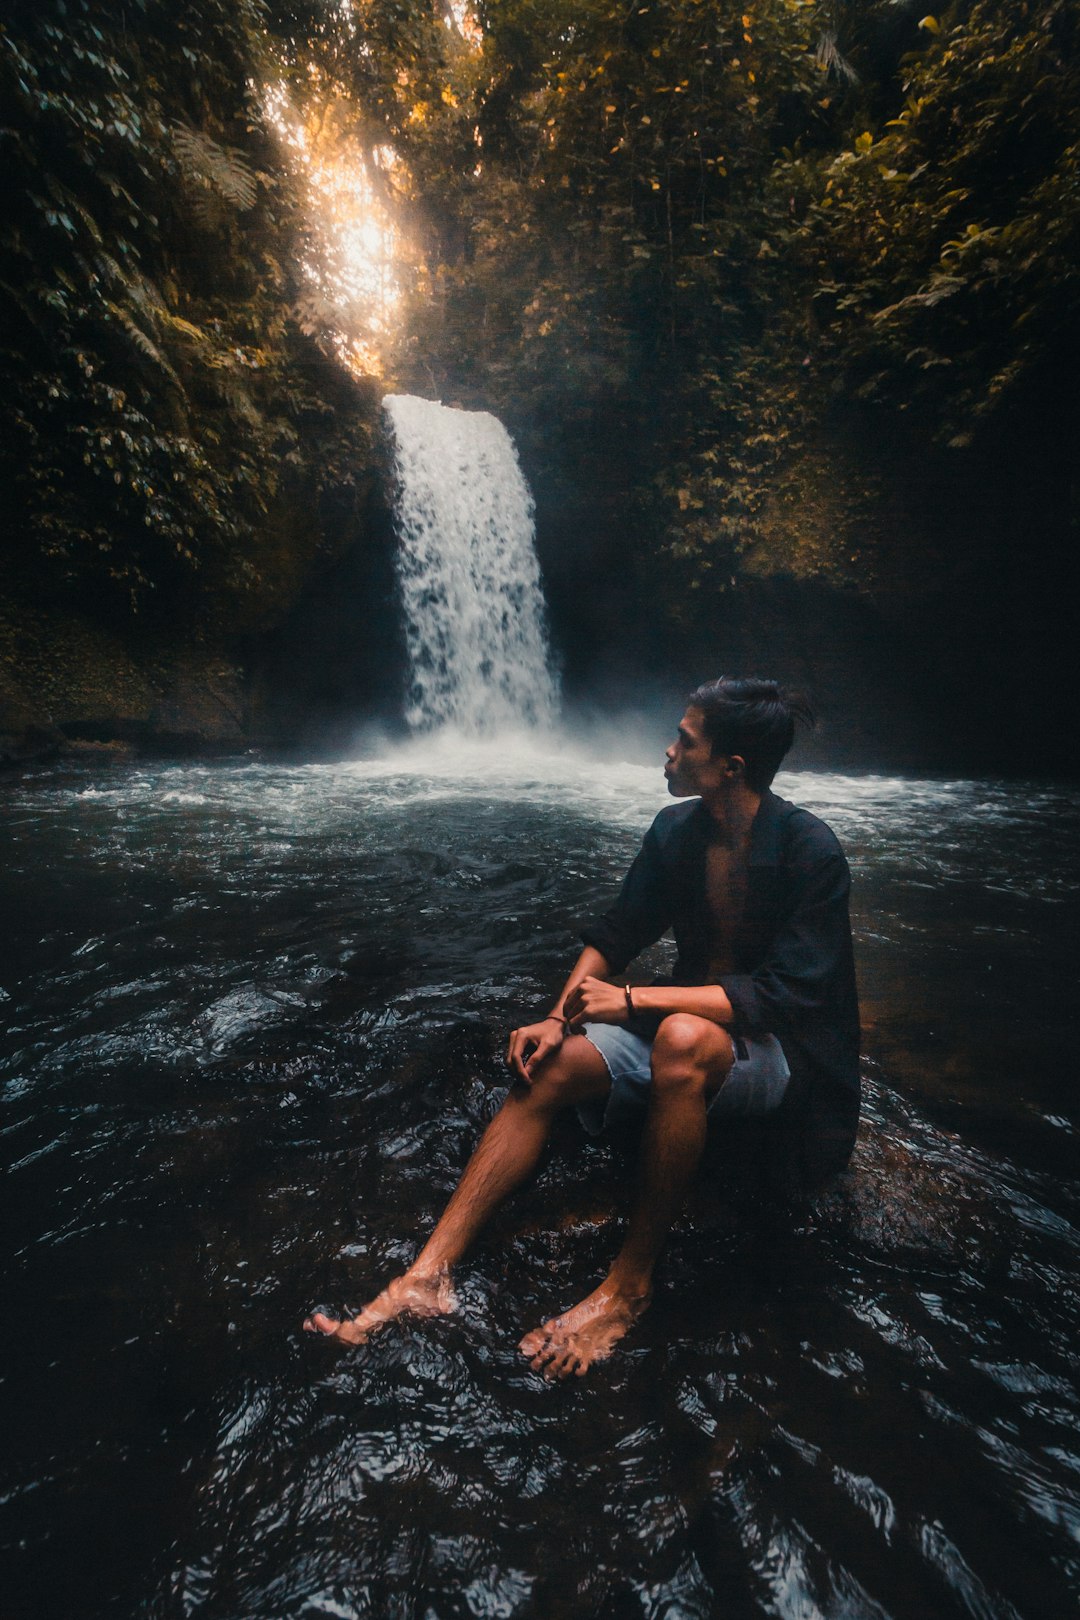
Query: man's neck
732	813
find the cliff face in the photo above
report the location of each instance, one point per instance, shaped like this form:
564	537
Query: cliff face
67	683
206	670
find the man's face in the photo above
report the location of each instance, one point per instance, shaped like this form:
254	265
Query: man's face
691	768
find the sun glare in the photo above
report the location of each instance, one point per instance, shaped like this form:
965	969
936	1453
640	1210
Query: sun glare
351	265
357	257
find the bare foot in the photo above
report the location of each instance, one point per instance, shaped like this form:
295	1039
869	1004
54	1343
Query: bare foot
571	1343
415	1294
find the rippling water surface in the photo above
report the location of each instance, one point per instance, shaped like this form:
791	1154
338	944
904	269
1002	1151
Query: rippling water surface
253	1015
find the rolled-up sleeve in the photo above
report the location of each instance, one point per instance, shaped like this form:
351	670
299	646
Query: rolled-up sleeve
641	913
810	952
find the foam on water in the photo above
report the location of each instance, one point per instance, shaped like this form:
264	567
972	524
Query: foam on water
936	830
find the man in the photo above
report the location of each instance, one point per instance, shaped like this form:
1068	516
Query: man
759	1018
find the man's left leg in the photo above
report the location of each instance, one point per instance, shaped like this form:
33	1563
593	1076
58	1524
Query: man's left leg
691	1058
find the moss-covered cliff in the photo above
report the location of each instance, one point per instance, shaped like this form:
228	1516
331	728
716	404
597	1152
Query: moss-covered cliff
179	457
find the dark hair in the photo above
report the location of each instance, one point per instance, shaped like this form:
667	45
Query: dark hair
751	717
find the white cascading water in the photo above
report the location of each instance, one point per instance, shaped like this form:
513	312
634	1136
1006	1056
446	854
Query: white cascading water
475	619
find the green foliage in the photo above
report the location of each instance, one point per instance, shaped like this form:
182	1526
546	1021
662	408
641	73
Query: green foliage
157	391
941	243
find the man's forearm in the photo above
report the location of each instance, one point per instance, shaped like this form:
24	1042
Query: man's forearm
703	1000
590	964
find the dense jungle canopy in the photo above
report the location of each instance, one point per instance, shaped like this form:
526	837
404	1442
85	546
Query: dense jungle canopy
779	303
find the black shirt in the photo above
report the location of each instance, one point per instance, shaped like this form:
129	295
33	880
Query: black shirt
794	967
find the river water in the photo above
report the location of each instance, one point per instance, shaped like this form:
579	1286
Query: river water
253	1015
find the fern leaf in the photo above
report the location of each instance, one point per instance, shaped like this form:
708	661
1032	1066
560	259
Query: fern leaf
143	343
210	166
186	328
107	268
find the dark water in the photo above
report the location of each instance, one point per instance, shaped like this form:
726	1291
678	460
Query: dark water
253	1016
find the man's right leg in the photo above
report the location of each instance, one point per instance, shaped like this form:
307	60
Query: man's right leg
507	1154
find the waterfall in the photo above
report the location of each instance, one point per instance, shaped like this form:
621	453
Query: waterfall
475	619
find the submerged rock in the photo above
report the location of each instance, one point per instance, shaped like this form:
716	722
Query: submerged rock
905	1201
244	1014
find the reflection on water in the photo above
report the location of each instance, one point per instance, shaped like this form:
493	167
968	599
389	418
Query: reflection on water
253	1015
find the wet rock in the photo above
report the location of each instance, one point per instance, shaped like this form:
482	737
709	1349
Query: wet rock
67	685
114	749
910	1193
25	745
900	1200
201	707
25	735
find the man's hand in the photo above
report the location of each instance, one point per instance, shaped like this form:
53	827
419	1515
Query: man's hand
594	1001
530	1044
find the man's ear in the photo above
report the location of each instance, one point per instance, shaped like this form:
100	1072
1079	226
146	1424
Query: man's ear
736	765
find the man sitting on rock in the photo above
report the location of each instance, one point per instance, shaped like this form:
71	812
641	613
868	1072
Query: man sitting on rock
760	1012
